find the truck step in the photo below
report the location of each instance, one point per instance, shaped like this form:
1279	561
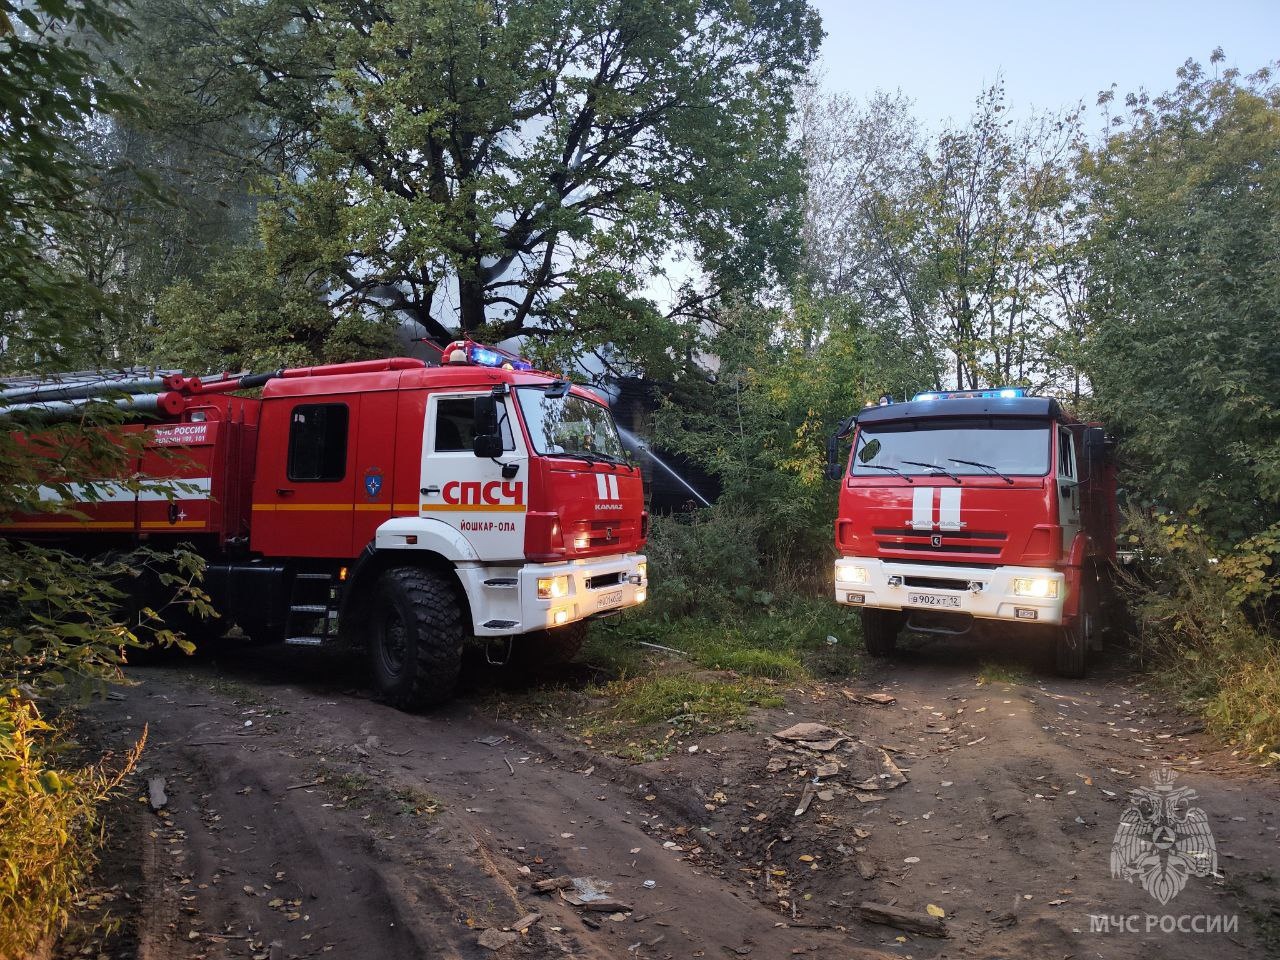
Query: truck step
304	641
316	608
500	624
312	576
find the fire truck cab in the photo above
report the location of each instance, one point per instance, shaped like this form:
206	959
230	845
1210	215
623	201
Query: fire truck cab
984	506
405	507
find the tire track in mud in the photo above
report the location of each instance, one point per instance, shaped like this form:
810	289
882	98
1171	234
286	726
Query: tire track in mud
1014	793
366	886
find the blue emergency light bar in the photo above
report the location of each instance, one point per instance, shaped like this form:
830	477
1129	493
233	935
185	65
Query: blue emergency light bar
1000	393
488	357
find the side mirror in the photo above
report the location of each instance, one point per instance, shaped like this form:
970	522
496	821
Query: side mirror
488	442
832	471
488	445
486	415
1095	446
834	467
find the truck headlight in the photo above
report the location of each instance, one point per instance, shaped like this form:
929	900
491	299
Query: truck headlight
553	588
1035	587
642	569
848	573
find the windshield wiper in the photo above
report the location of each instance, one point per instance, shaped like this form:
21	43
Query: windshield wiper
895	470
934	466
590	457
983	466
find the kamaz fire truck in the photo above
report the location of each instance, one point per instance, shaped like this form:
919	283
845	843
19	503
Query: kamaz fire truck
976	506
387	502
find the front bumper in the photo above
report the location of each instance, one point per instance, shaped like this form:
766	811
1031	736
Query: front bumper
505	602
983	593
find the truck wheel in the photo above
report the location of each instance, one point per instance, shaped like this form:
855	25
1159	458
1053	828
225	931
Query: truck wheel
1071	649
415	645
550	647
880	629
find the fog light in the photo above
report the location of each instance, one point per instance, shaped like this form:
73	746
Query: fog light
1035	587
562	616
553	588
640	595
855	598
1026	613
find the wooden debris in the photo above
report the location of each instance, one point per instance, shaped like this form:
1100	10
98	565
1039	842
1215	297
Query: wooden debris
909	920
552	885
526	921
806	798
879	699
495	939
156	795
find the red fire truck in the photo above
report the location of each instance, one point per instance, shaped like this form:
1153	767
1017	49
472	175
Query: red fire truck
403	506
979	505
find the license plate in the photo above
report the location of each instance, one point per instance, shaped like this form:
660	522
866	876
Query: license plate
932	600
610	599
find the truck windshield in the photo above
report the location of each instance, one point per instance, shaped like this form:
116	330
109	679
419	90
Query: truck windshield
1008	446
569	426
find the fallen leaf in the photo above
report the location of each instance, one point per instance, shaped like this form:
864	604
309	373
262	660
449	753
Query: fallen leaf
935	911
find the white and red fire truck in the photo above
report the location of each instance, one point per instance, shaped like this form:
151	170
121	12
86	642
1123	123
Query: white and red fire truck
387	502
978	505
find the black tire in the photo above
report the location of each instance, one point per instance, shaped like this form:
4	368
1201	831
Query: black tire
415	638
1071	646
880	629
550	648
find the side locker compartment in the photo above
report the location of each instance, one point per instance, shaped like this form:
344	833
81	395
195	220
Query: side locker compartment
190	455
375	466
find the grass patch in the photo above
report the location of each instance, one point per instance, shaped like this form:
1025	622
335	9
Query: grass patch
783	640
683	699
641	718
412	802
992	673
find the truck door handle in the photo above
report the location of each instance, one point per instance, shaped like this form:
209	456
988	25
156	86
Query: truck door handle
427	491
284	492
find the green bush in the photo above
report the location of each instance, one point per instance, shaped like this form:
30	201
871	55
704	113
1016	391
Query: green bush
48	826
1207	635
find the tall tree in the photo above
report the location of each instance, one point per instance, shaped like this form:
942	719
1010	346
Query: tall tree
50	82
1184	296
514	167
958	236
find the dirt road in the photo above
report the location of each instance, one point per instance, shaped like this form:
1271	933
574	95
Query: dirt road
302	814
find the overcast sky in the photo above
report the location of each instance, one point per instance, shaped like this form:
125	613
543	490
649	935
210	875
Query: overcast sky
1051	54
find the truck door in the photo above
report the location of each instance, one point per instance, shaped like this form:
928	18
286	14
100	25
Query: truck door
304	491
470	493
375	467
1068	491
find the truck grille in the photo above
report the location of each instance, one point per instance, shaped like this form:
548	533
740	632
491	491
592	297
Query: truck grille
952	542
606	533
948	534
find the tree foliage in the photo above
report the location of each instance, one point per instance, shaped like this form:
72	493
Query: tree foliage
1184	297
962	238
511	168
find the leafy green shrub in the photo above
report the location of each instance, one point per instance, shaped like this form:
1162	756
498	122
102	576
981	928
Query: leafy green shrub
1208	632
48	826
704	562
